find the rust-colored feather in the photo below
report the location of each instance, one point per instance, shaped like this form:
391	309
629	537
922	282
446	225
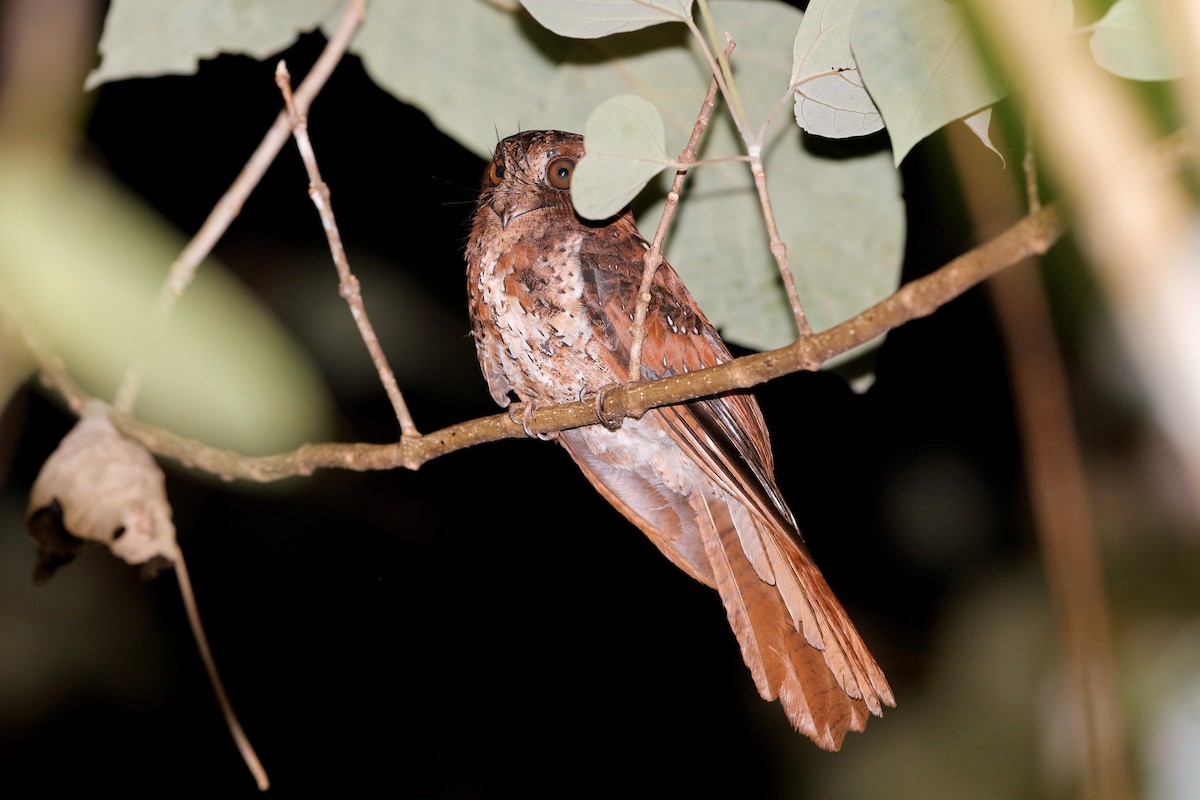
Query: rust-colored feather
552	301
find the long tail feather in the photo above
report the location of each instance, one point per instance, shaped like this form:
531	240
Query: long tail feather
813	691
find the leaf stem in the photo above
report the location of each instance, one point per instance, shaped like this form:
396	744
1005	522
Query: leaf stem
721	69
723	74
210	665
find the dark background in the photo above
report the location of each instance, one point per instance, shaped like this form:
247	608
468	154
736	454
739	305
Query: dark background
489	626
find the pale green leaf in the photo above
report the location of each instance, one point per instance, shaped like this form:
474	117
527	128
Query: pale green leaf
152	37
842	220
625	148
476	69
980	124
83	262
918	61
1127	41
838	105
592	19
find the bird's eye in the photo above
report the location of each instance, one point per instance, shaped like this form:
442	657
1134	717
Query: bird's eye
495	172
558	172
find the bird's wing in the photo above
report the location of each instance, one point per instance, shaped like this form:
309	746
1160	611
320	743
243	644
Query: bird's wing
795	636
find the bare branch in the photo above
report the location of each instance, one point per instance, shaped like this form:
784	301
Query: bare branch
348	285
778	246
1032	235
230	205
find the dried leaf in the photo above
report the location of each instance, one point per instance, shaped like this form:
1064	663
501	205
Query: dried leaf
99	487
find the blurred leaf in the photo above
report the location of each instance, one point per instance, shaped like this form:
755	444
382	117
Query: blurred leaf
1128	42
16	365
835	106
1062	15
83	261
592	19
967	730
625	149
150	37
919	63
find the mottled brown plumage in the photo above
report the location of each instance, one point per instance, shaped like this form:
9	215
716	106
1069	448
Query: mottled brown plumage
552	301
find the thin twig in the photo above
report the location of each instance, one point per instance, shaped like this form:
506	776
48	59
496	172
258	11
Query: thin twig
183	270
348	285
654	256
719	64
778	246
754	147
235	728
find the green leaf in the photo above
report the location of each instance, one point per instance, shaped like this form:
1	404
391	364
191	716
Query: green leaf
918	61
842	220
592	19
1127	41
473	67
152	37
83	262
625	147
835	106
447	64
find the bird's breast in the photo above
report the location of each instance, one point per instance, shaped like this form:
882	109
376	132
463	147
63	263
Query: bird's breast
533	291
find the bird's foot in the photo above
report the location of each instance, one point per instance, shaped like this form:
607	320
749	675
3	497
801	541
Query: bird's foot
523	413
610	421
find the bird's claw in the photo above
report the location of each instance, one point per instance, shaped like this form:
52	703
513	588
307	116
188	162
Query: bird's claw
527	410
607	420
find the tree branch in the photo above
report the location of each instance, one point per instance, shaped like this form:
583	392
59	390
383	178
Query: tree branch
1032	235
